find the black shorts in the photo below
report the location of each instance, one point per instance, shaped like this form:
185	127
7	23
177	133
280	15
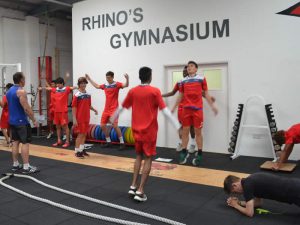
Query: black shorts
21	133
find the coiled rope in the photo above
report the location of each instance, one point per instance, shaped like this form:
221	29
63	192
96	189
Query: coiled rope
81	212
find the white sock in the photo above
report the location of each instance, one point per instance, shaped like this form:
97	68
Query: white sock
108	139
121	140
81	148
77	150
26	166
193	142
16	163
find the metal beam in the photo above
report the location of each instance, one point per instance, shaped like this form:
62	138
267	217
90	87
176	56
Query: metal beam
59	3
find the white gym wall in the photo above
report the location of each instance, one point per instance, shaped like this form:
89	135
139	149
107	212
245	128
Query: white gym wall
262	52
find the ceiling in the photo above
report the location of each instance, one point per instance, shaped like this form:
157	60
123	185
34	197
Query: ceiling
53	8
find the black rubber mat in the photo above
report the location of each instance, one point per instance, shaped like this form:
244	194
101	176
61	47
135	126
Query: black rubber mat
182	201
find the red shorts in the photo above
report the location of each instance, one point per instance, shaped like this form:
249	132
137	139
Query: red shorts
51	115
61	118
105	118
180	114
192	117
147	148
82	128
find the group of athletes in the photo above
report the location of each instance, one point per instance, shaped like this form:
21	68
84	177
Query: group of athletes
145	101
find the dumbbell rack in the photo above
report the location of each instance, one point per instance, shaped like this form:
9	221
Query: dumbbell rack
240	125
235	129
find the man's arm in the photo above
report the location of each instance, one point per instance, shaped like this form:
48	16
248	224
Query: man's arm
171	93
288	148
95	110
1	103
179	99
73	88
48	88
23	101
246	208
74	116
126	84
91	81
210	102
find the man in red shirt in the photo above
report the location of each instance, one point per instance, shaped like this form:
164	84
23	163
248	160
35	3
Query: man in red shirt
81	106
288	138
111	90
145	101
61	111
179	115
5	115
191	90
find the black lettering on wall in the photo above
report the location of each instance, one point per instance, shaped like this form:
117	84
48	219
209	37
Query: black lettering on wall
182	34
199	31
220	31
86	23
138	15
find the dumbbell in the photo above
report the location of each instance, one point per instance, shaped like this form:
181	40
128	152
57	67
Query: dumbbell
231	150
277	147
232	144
273	130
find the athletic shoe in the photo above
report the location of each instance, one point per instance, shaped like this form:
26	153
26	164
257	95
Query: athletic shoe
197	160
183	156
57	144
192	149
179	147
106	145
79	155
141	197
30	170
66	144
85	153
16	168
49	135
132	191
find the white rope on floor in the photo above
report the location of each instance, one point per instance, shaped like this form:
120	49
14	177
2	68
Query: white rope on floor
96	216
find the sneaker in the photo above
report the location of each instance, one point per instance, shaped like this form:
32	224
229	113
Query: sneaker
183	156
106	145
179	147
85	153
49	135
79	155
57	144
30	170
17	168
192	149
132	191
197	160
141	197
66	144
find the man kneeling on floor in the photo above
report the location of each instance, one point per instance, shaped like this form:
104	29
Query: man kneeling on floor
258	186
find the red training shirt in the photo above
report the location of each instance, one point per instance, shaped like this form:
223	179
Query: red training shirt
112	94
145	101
292	135
192	88
61	99
82	103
